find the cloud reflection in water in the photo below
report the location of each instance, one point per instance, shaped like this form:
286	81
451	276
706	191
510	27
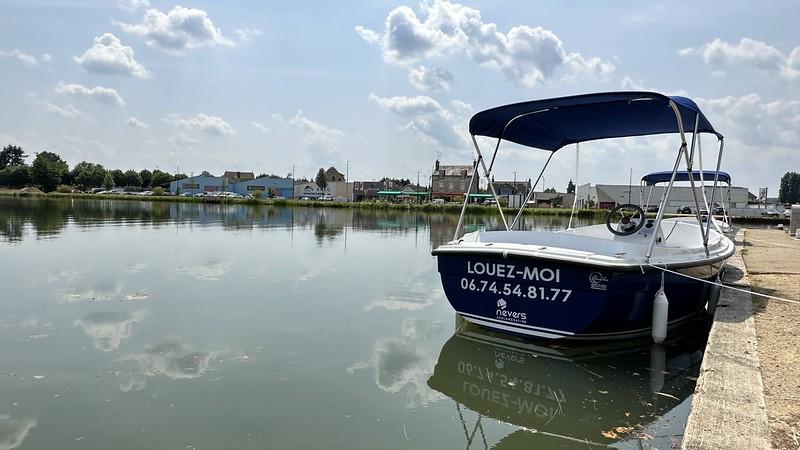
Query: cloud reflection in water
171	359
109	329
14	431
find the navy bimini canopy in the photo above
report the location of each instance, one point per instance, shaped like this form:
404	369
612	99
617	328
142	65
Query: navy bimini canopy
553	123
682	175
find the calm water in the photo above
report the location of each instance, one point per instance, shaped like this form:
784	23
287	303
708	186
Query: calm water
134	325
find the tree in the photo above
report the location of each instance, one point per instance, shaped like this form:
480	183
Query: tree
789	191
88	175
320	179
550	190
108	181
132	178
160	178
147	178
119	177
15	176
12	155
570	187
47	170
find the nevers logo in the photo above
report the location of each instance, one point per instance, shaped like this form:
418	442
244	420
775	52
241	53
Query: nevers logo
501	304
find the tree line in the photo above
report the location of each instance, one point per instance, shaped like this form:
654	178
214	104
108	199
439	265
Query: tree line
789	191
48	171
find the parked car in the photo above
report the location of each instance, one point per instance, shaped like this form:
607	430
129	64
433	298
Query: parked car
771	212
96	190
652	209
187	194
490	201
438	201
719	210
787	212
684	210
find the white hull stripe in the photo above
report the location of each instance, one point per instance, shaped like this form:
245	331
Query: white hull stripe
552	333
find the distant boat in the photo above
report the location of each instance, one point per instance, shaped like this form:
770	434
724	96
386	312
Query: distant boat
631	276
721	209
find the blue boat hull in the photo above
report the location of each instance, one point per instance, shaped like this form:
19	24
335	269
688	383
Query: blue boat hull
555	299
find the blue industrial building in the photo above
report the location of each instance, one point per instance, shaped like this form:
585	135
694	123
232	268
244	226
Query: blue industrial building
269	187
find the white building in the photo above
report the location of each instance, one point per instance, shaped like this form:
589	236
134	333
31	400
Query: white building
610	195
337	190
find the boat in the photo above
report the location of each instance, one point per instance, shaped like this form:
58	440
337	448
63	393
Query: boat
721	209
569	395
632	276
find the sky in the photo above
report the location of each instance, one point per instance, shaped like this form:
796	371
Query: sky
384	88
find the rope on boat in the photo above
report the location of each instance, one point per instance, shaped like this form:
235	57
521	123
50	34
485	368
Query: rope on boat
722	285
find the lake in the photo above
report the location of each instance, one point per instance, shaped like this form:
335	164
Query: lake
156	325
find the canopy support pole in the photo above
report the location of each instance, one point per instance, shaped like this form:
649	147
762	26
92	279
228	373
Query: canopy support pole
703	174
716	179
460	227
664	200
530	194
577	177
660	214
488	174
689	161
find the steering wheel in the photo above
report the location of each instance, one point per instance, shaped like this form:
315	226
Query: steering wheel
628	217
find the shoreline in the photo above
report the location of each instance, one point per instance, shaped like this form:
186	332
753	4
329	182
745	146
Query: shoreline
424	207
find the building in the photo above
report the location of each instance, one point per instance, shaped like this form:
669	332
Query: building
236	176
333	176
368	190
269	187
448	181
552	199
337	190
512	187
199	183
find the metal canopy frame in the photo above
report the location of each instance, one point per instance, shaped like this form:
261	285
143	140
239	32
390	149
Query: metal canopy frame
684	152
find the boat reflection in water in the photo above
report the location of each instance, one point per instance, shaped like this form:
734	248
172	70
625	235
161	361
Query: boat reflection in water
623	395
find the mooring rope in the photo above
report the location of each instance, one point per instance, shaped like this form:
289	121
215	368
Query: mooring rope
722	285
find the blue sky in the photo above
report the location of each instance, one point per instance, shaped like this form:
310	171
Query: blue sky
389	86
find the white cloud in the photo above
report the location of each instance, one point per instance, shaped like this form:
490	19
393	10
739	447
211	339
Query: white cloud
177	30
68	111
103	94
260	126
109	56
748	52
317	133
460	107
247	34
133	5
182	141
214	125
25	58
525	55
136	123
432	79
429	120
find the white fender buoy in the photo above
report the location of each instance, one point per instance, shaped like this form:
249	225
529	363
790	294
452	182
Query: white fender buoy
660	313
658	366
713	297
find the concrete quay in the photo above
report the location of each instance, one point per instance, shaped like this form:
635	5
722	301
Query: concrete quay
748	392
